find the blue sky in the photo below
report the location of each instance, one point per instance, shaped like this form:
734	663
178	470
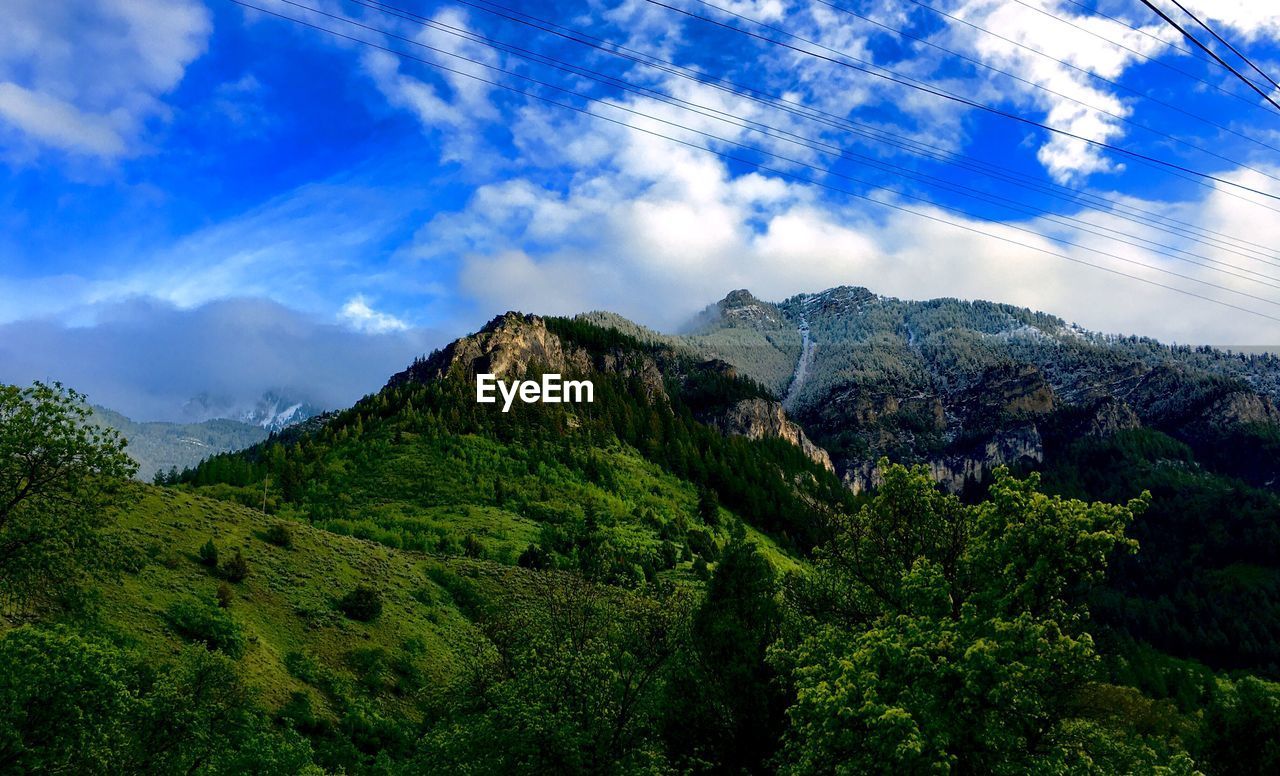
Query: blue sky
178	166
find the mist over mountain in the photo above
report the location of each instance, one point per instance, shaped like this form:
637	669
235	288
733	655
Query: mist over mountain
242	359
158	446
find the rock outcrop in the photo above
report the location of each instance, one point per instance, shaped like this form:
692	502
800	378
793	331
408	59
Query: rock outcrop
1018	446
765	419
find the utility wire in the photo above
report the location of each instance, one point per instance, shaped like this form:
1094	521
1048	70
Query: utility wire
1210	52
1038	52
1139	30
816	144
853	63
775	171
1224	42
1158	220
1029	82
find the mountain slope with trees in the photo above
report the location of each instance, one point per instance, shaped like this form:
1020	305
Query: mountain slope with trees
421	583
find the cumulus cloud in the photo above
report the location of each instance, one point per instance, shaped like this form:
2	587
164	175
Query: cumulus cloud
362	317
655	232
147	359
85	76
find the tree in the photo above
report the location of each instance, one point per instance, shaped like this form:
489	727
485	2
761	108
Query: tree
72	703
208	554
235	568
724	704
60	476
569	682
968	637
708	506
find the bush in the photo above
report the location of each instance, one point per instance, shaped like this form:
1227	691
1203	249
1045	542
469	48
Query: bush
236	568
279	535
225	595
208	554
534	557
363	603
203	622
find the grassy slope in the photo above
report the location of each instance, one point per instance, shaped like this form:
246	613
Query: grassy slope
422	487
287	603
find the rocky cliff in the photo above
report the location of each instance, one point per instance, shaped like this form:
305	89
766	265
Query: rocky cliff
764	419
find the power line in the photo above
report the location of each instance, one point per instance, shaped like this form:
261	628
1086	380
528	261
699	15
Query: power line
1210	52
775	171
1224	42
919	86
1038	52
809	142
1160	221
1139	30
1016	77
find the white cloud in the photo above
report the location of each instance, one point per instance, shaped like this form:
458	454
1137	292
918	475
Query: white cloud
360	316
1251	19
655	231
85	76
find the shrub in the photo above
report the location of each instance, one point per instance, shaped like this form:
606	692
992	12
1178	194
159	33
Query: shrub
471	547
363	603
208	554
203	622
279	535
236	568
225	595
700	569
534	557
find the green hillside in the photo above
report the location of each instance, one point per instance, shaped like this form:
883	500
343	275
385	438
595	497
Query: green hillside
424	584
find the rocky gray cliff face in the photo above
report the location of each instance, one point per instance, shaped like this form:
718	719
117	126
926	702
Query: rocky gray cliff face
1021	446
764	419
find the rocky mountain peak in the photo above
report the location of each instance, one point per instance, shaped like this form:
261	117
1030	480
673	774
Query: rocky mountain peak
740	309
511	344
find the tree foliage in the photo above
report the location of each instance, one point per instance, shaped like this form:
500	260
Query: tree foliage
949	636
60	476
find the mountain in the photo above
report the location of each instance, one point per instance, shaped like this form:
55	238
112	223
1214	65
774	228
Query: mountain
683	576
273	411
966	386
160	447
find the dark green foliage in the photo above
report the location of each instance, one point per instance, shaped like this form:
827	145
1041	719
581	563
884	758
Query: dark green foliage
725	704
207	623
208	554
572	685
235	568
1242	728
363	603
225	595
1207	584
708	506
534	557
75	704
471	546
279	535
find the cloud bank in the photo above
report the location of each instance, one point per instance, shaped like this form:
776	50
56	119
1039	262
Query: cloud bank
147	359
